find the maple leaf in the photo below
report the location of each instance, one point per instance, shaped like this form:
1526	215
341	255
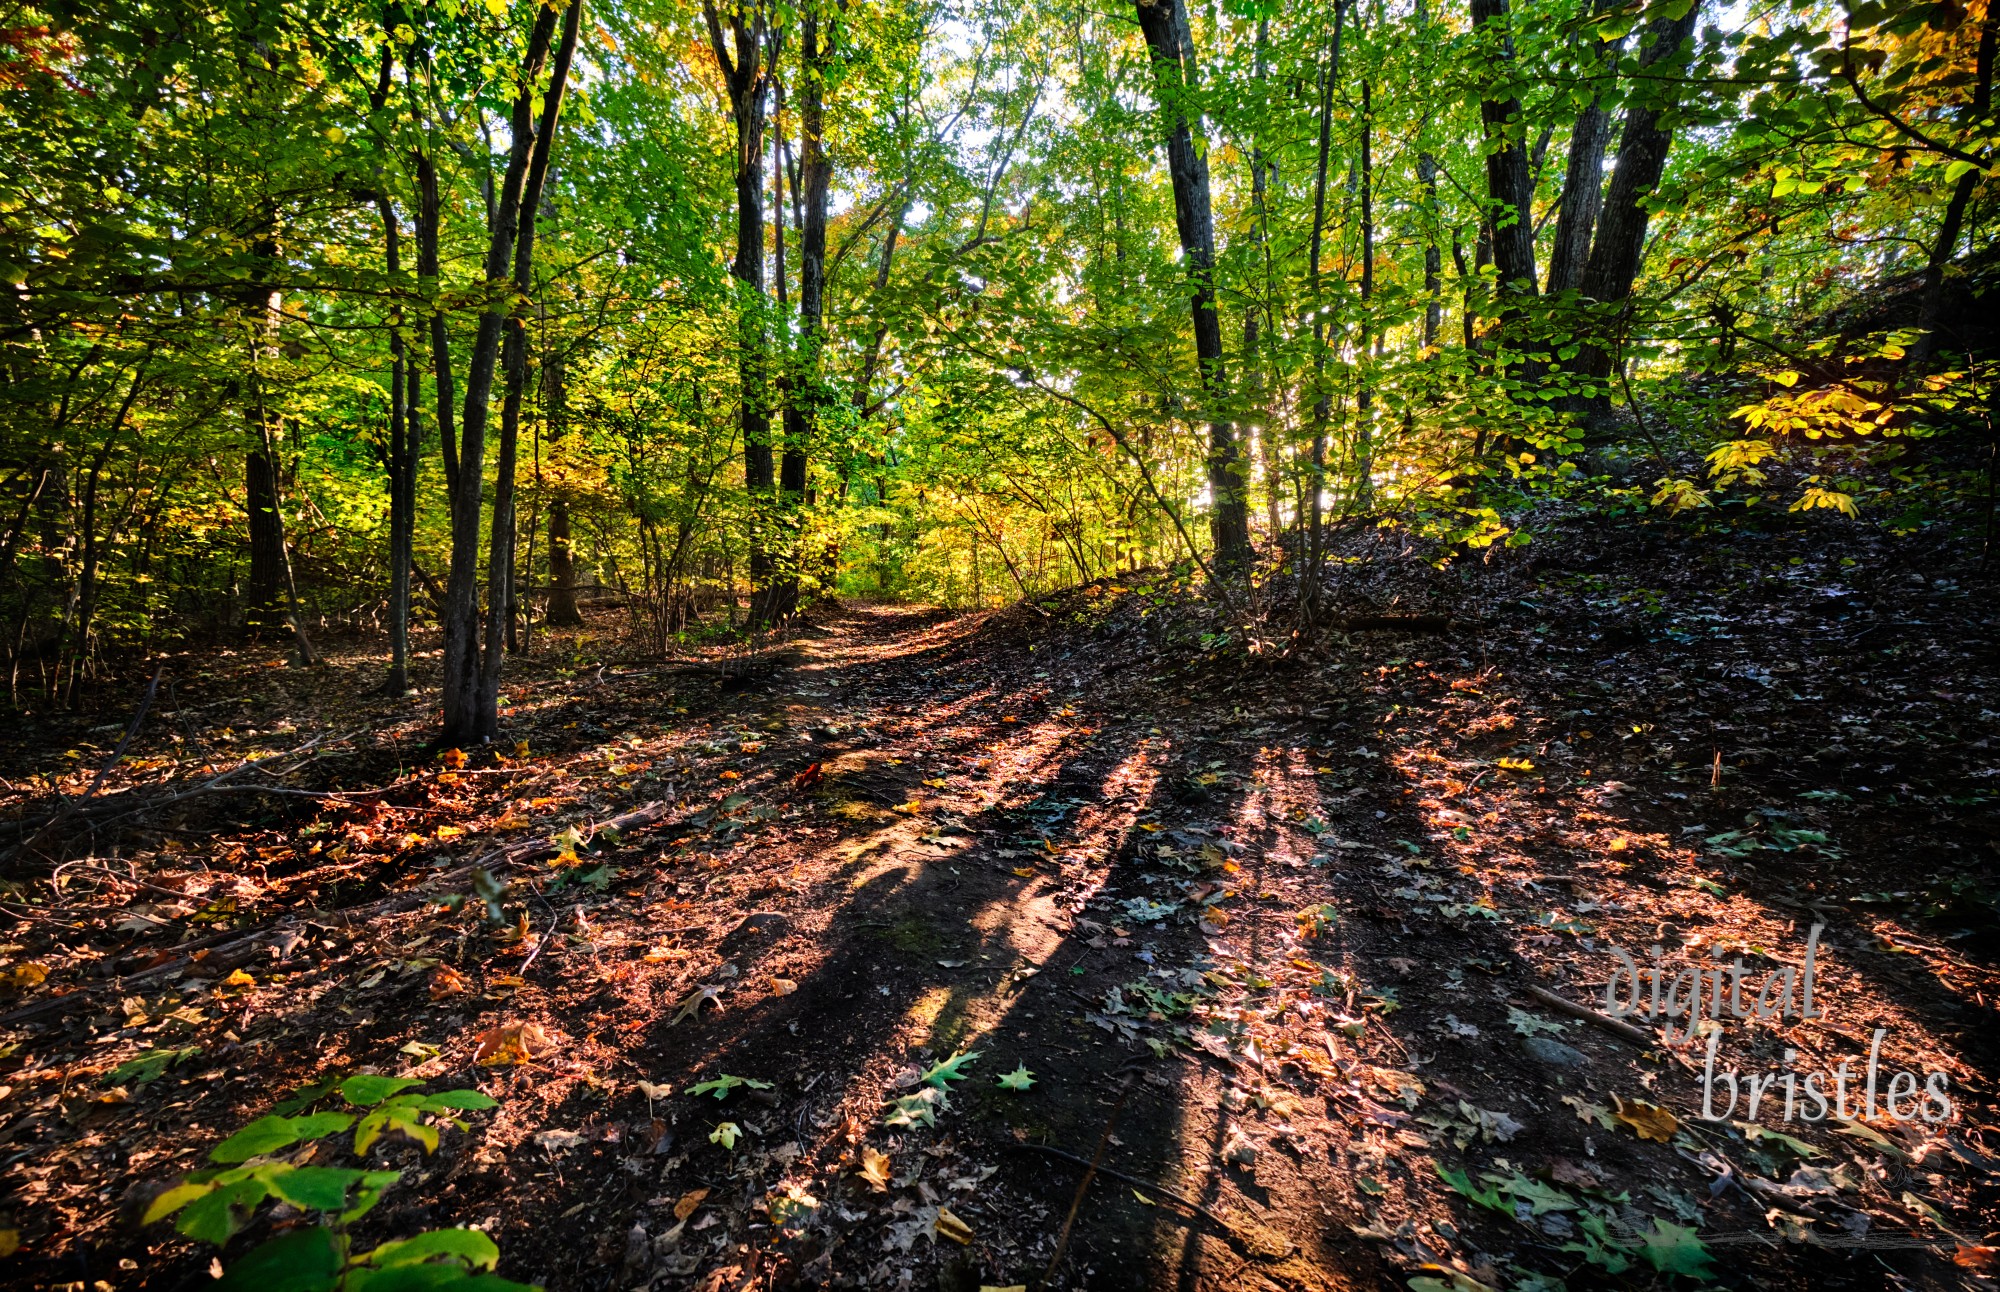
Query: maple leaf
875	1169
453	758
511	1044
693	1003
1019	1079
1676	1249
949	1070
1648	1121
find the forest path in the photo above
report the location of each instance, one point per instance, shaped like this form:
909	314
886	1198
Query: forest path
1266	929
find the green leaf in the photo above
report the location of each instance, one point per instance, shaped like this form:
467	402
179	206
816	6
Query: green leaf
373	1185
1019	1079
1676	1249
150	1066
305	1096
314	1188
399	1115
474	1248
305	1260
950	1070
458	1101
1489	1197
365	1090
216	1217
722	1085
725	1134
265	1135
320	1125
174	1198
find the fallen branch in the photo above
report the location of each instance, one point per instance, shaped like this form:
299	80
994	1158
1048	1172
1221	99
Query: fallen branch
1134	1181
221	946
71	807
1637	1036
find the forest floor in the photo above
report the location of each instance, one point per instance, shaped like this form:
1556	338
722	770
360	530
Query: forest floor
1274	929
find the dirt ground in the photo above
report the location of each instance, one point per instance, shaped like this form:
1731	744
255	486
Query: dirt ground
1270	928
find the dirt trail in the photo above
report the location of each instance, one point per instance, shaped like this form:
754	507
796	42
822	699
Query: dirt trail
1275	926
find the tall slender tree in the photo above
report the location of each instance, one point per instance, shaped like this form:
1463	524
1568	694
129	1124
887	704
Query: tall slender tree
1170	42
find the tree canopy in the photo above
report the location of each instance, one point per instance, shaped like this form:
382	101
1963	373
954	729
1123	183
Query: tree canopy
321	313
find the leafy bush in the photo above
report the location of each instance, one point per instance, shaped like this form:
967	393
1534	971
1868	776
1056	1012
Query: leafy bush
212	1205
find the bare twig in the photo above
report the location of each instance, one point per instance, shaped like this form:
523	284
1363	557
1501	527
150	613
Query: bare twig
1089	1174
1636	1036
72	806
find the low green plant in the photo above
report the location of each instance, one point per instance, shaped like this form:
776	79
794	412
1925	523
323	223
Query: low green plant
213	1205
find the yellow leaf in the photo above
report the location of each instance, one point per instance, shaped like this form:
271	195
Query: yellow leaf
26	975
514	1043
237	978
875	1169
783	986
1648	1121
10	1242
950	1226
452	758
450	831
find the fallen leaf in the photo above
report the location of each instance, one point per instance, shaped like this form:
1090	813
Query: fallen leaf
693	1002
1019	1079
509	1044
688	1202
950	1226
875	1169
783	986
446	980
1648	1121
725	1135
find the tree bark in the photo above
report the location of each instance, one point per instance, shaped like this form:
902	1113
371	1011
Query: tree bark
1620	243
1329	76
401	467
500	608
812	192
1171	44
466	719
1509	180
1583	174
746	82
1930	308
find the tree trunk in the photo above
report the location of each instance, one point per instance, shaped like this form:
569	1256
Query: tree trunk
1364	401
1257	398
1583	175
747	82
1323	404
1171	44
468	717
402	468
562	611
1620	243
1930	309
813	194
1509	181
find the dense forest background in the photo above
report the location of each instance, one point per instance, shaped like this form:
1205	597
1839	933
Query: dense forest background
454	314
